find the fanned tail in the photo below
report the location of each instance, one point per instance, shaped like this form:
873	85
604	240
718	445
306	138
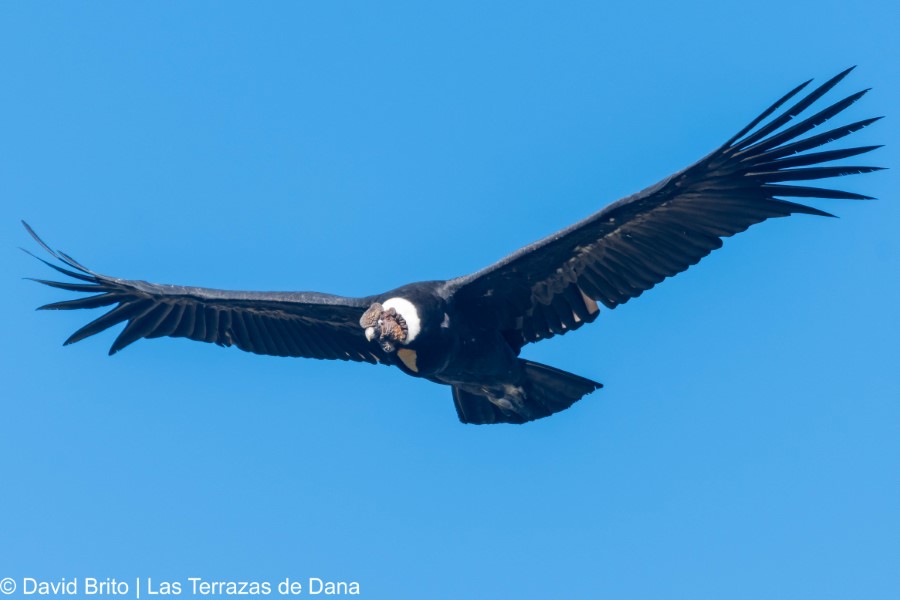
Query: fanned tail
547	391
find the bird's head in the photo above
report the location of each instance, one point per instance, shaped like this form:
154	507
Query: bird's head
394	323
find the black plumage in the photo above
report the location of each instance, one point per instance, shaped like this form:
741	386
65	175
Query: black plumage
468	332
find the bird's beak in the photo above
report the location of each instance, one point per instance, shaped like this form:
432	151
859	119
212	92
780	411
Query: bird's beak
370	333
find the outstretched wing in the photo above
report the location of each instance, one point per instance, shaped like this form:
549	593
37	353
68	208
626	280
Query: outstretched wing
553	286
303	324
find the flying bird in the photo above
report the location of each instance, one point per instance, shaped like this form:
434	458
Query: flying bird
468	332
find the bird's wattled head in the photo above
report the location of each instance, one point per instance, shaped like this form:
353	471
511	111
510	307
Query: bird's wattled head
386	326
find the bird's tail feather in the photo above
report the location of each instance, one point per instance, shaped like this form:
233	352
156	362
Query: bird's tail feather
547	390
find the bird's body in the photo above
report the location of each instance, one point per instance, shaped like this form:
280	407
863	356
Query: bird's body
444	344
468	332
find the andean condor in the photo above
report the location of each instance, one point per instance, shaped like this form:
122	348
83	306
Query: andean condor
468	332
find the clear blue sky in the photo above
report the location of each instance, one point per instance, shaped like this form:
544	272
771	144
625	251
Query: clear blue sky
747	442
